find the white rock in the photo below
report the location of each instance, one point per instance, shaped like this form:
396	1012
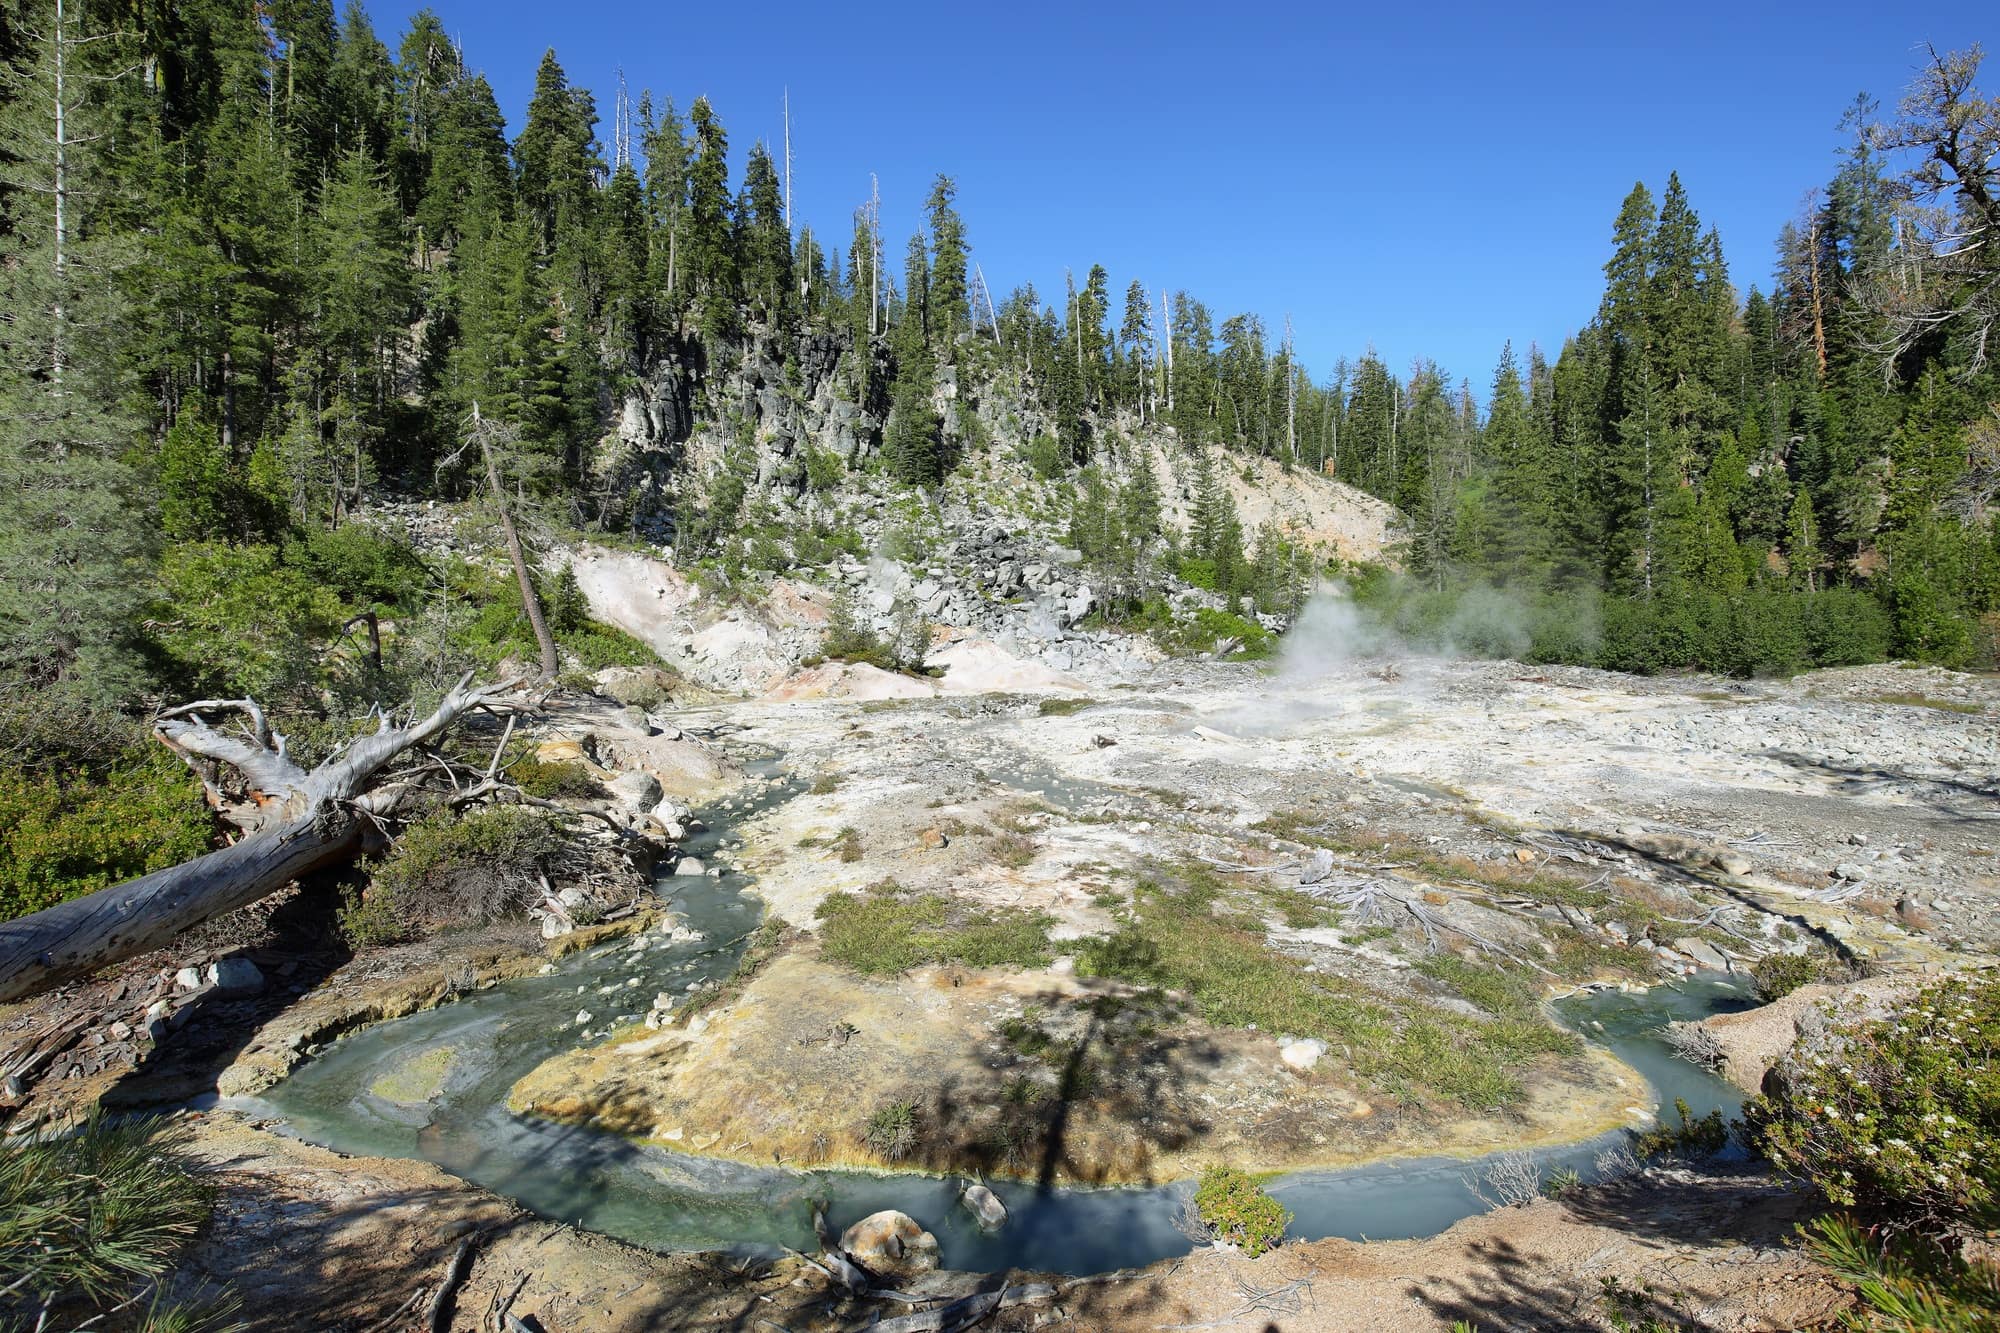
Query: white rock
689	865
188	978
1302	1055
235	976
582	1017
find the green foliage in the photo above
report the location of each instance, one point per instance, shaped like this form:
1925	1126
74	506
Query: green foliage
449	870
242	620
1239	1211
552	781
1897	1118
1905	1286
86	801
1562	1181
92	1211
364	565
1692	1137
892	1130
887	933
1208	628
1777	975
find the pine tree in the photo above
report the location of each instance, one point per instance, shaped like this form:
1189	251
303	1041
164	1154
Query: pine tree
912	443
360	303
711	261
556	155
946	302
765	243
74	526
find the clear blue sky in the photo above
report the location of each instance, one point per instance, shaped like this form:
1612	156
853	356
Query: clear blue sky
1434	180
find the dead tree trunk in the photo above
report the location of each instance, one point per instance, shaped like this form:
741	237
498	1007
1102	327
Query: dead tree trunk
531	602
303	821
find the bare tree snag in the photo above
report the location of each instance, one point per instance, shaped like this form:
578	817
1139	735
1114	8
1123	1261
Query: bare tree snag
530	601
301	822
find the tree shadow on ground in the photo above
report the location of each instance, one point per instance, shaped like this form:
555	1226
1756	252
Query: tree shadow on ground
1713	1206
295	941
1851	780
1099	1097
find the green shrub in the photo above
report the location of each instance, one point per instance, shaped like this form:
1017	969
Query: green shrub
95	1210
553	781
73	823
363	564
1563	1180
449	870
1239	1211
1208	627
1045	456
1703	1137
1905	1285
892	1130
1779	974
597	645
887	932
1897	1118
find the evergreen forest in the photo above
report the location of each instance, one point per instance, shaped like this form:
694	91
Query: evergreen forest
263	263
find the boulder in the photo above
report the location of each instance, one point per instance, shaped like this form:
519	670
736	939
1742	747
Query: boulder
985	1207
188	978
235	976
890	1242
1703	953
1851	872
636	791
683	767
689	865
565	750
1756	1039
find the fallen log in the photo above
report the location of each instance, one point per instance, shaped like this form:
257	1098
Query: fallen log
301	821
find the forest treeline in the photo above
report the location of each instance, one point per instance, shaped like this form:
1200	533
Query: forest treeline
258	262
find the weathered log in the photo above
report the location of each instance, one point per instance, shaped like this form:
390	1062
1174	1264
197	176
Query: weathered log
316	819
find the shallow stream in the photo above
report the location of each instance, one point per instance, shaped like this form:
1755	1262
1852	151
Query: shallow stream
434	1086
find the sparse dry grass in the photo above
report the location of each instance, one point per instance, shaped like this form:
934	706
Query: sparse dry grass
1906	700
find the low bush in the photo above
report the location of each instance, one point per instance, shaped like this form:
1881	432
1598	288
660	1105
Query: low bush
243	620
1237	1210
551	781
888	932
1779	974
90	808
449	870
1905	1285
1208	628
365	565
1694	1136
892	1130
1897	1118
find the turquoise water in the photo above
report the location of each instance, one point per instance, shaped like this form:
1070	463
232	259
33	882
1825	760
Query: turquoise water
670	1200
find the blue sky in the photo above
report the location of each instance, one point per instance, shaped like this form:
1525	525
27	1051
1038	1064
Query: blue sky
1433	181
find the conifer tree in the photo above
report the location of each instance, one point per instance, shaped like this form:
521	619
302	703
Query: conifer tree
946	302
74	524
556	155
711	260
912	444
